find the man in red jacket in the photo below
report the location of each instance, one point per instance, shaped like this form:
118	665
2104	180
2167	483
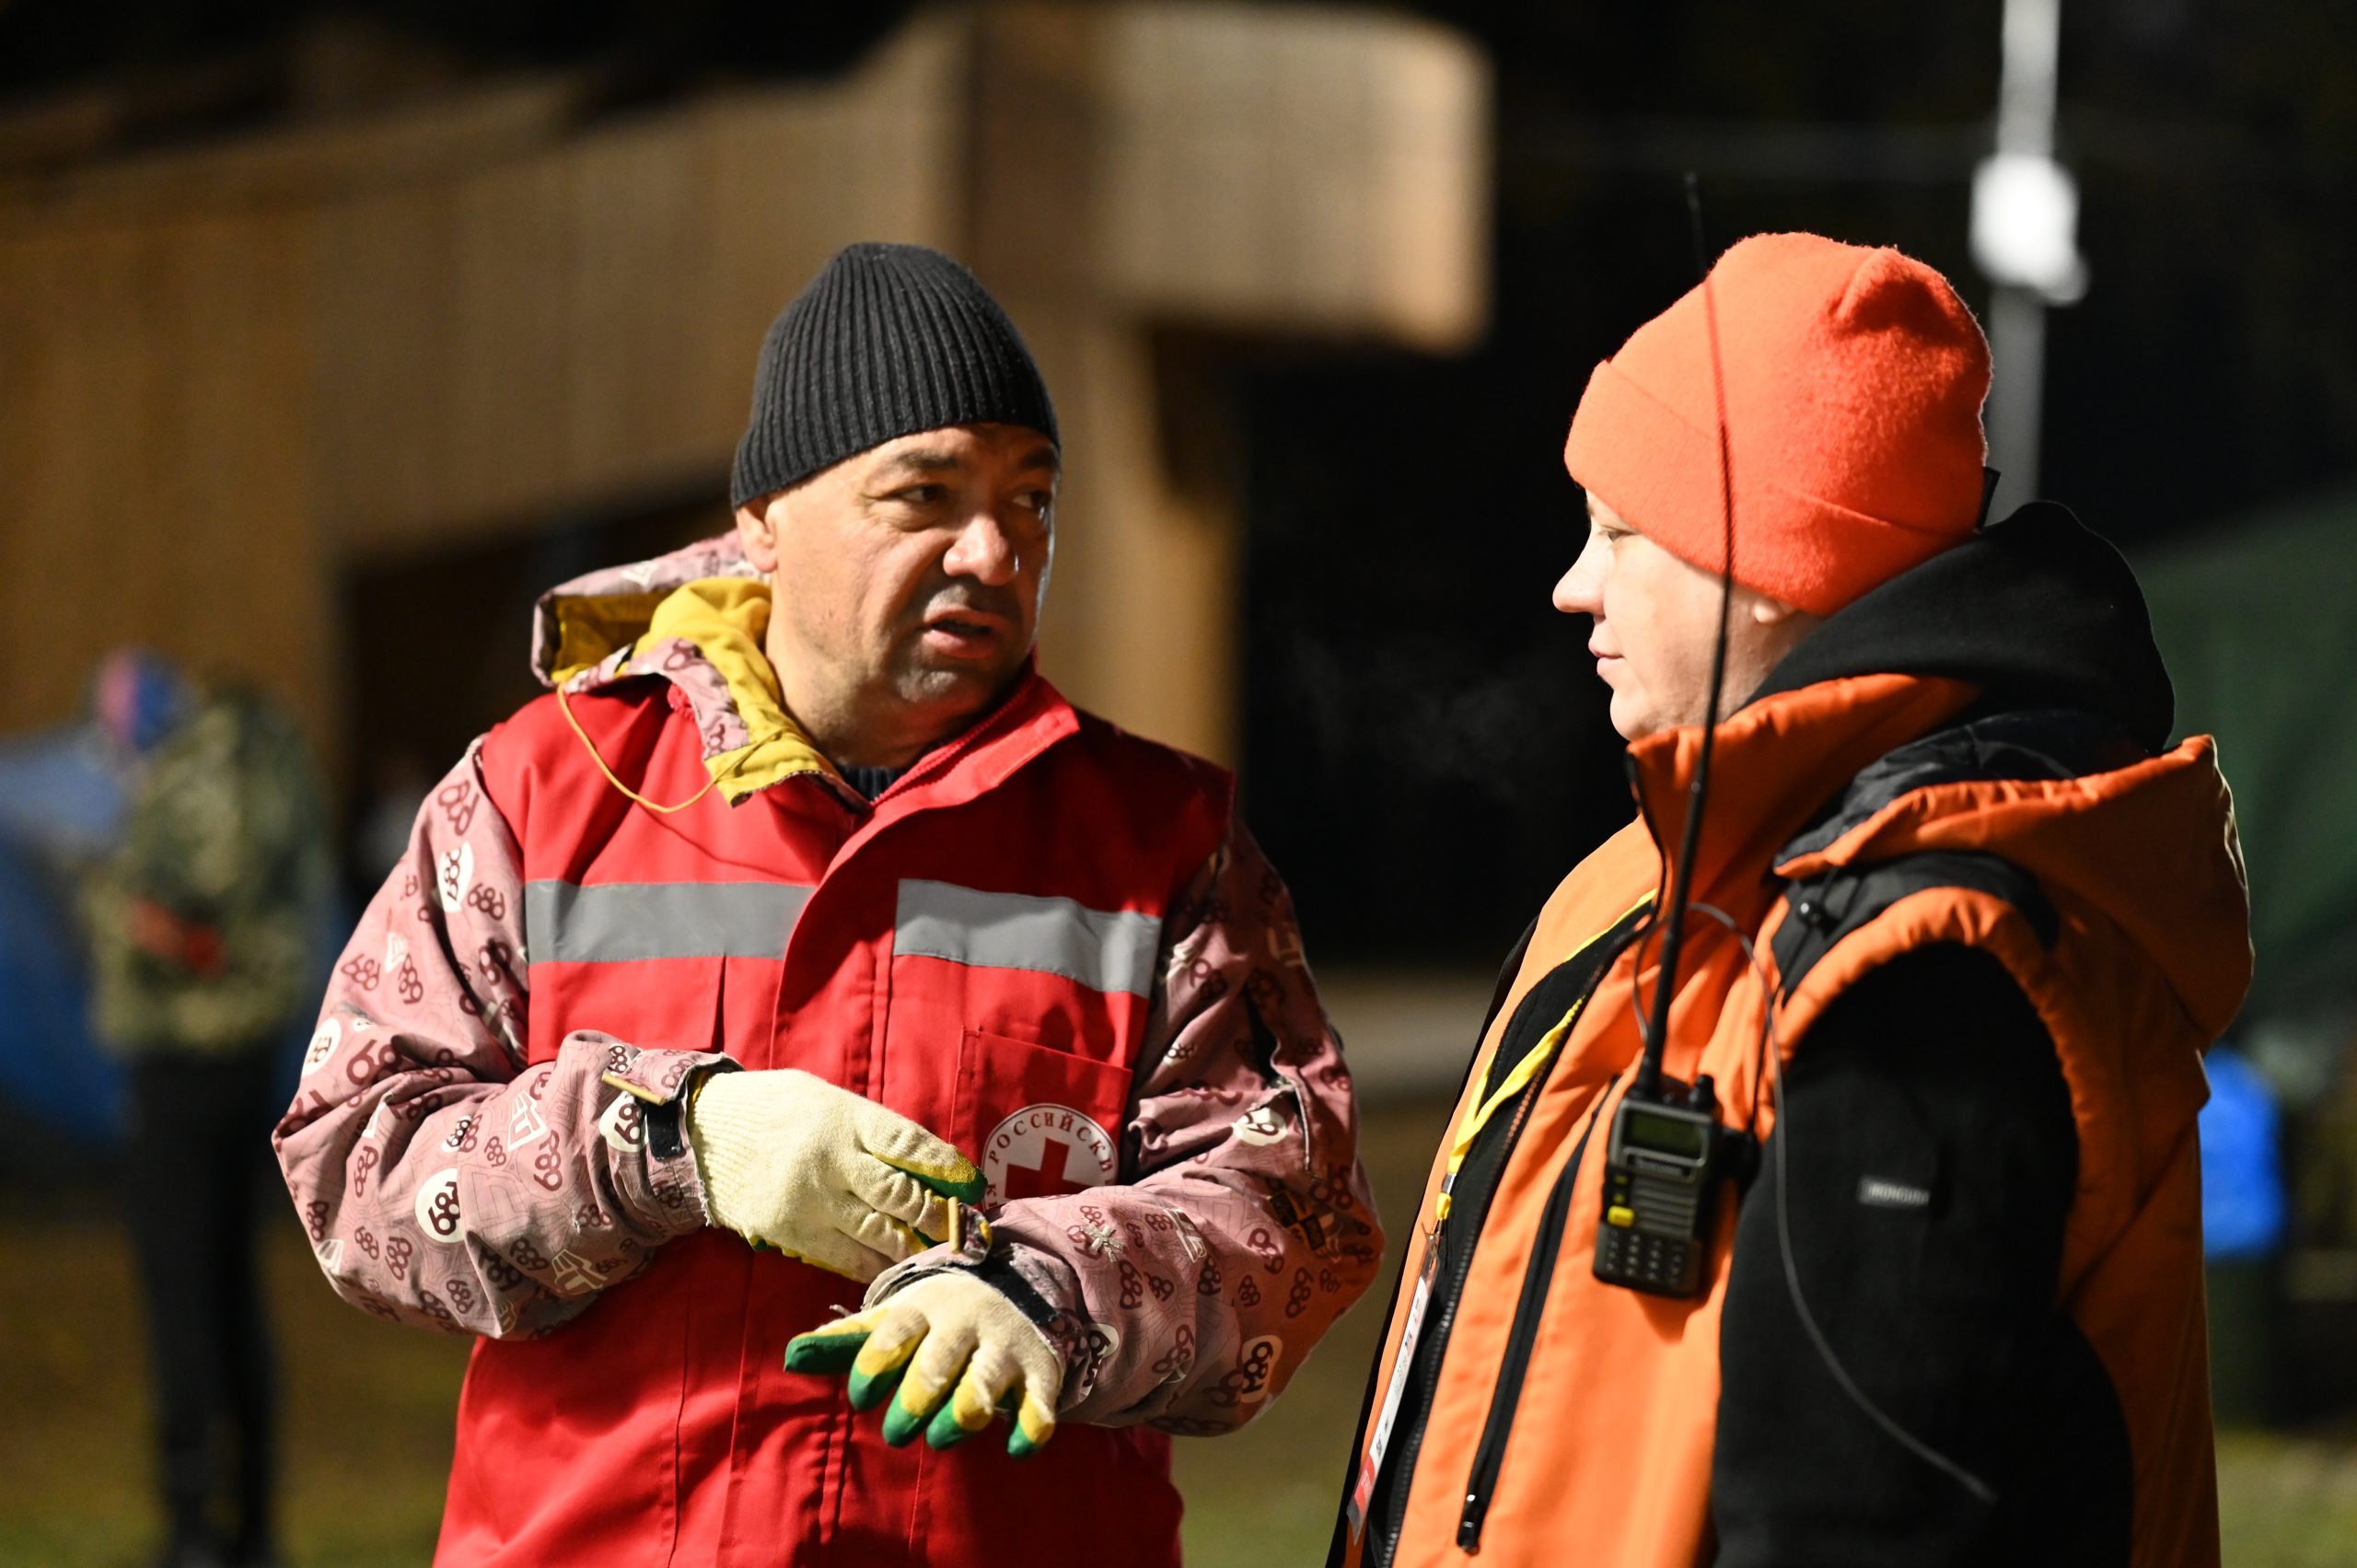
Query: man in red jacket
804	913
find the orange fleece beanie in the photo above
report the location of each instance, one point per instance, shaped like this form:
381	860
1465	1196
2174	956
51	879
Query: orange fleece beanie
1855	379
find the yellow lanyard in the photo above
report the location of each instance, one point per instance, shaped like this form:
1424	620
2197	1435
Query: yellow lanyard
1487	1101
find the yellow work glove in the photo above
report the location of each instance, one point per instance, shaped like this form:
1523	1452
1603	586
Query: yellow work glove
956	1349
821	1174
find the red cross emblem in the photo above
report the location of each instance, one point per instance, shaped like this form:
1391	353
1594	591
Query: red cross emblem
1043	1151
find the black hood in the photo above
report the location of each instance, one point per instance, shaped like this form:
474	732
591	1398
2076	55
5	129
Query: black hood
2037	610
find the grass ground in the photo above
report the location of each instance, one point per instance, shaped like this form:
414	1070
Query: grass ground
75	1473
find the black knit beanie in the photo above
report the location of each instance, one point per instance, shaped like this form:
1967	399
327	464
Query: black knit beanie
888	340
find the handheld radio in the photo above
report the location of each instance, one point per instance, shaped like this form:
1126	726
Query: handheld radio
1668	1152
1662	1170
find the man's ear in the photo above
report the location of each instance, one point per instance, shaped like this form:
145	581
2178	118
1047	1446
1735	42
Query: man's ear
1769	611
757	531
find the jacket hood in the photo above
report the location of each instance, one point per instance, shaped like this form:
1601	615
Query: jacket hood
1858	768
587	620
2150	845
2037	611
695	618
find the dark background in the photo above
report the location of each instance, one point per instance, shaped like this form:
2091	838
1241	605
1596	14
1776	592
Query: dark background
1424	747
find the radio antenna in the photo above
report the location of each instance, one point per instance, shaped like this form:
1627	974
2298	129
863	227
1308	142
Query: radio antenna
1673	935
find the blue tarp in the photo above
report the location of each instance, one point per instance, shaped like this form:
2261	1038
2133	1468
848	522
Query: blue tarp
2243	1206
58	797
49	1067
60	808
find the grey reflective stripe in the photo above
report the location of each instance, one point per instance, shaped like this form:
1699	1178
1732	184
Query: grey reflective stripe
1104	949
608	923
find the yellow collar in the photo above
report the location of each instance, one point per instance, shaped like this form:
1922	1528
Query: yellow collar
726	621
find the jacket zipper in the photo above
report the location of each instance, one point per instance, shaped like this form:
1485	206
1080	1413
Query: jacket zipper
1538	1279
1461	1268
1530	1308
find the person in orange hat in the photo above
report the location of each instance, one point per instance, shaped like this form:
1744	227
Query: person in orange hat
1888	1250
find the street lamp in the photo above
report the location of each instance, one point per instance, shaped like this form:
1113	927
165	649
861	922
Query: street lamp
2024	238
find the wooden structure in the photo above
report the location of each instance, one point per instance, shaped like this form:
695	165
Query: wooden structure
230	375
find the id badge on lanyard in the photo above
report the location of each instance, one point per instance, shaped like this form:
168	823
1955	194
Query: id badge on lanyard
1379	1439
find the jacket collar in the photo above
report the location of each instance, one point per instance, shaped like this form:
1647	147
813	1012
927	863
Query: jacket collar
2045	744
1871	768
1775	764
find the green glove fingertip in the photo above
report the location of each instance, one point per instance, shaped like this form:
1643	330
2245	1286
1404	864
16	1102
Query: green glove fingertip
901	1424
869	1389
1022	1443
943	1431
824	1351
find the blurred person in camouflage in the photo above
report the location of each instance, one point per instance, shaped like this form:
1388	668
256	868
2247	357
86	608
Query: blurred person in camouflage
805	953
202	922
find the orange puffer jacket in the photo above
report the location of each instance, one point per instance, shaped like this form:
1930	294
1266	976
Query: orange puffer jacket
1571	1419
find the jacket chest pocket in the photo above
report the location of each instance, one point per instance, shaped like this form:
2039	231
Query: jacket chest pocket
1040	1122
1012	1023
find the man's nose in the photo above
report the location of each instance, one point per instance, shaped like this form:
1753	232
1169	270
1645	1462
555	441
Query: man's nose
984	549
1580	590
1575	592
